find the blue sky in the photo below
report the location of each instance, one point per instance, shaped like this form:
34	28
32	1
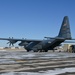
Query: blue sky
34	19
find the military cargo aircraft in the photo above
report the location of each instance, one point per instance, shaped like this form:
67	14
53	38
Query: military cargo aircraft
47	44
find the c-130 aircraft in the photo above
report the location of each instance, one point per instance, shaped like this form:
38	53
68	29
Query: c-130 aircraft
47	44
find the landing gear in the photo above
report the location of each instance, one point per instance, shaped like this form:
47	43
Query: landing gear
35	50
43	50
40	51
46	50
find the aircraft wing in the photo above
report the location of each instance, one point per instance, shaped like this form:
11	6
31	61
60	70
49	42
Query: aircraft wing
12	41
27	40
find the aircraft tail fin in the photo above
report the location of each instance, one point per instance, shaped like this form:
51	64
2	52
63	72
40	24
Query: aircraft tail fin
65	29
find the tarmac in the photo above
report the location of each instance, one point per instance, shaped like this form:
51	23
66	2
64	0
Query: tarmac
15	62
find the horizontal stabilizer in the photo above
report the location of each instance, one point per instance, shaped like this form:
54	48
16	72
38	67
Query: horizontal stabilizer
69	42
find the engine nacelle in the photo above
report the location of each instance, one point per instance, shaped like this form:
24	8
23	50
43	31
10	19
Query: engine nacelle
23	43
11	42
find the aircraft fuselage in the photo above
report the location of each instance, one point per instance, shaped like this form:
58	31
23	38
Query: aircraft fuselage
44	45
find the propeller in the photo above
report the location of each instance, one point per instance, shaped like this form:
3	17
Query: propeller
11	42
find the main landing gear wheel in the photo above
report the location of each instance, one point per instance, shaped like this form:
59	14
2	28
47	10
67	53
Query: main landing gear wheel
35	50
40	50
46	50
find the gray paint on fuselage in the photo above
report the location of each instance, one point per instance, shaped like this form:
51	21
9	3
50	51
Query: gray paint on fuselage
50	44
43	45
